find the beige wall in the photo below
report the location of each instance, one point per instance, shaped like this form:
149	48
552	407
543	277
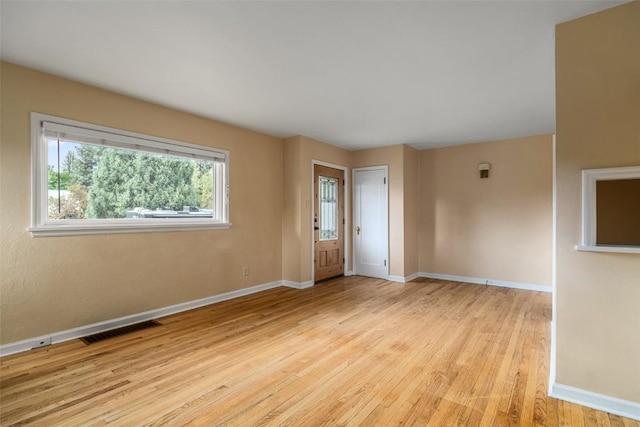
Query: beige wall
598	126
498	228
411	209
299	153
53	284
56	283
292	211
444	219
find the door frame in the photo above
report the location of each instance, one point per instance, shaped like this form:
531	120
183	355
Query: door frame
353	194
347	216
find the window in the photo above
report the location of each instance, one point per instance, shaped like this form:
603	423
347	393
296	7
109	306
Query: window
328	208
90	179
611	210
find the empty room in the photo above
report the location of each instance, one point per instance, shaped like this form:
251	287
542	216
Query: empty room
355	213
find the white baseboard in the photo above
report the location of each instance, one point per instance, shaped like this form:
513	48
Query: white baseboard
404	279
349	273
411	277
601	402
297	285
70	334
490	282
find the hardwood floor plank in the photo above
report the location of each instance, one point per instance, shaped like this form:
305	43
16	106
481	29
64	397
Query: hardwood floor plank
351	351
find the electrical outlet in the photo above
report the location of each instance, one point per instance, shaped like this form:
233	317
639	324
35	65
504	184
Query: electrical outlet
41	342
245	271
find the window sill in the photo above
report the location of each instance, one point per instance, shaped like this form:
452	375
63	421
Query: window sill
613	249
83	230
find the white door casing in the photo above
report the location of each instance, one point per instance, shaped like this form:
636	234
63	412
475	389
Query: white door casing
371	221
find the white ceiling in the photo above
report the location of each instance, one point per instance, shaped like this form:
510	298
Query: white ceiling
353	74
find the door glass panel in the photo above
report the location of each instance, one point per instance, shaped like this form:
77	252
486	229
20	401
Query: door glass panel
328	211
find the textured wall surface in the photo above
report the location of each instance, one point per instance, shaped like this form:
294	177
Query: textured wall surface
497	228
52	284
598	126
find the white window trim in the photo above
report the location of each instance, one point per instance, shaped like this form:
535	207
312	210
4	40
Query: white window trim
589	216
41	226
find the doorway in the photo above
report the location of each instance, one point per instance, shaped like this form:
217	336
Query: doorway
371	221
328	222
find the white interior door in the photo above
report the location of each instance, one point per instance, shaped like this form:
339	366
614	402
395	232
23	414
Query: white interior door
371	224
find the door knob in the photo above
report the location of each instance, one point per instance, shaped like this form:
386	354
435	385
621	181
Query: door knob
358	230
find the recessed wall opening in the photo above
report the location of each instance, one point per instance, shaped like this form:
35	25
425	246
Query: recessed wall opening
618	212
611	210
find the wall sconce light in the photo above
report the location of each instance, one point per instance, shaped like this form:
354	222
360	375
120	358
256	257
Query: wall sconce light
484	169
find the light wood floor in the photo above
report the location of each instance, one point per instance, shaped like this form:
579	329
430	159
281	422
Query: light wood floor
352	351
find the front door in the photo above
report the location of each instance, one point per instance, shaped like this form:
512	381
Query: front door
370	220
328	223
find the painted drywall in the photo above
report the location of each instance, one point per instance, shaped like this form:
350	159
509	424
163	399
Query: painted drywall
392	156
411	163
498	228
292	211
56	283
597	126
299	153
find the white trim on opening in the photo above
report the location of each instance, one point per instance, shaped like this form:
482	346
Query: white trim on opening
590	177
45	127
